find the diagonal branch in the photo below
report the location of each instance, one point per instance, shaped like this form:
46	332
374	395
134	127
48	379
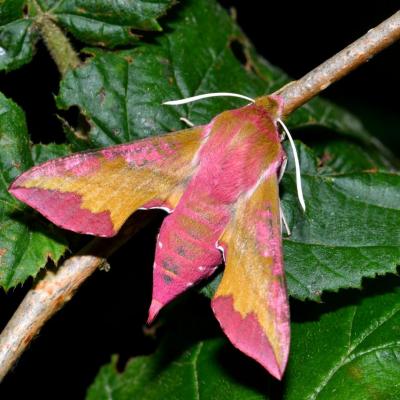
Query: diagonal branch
296	93
56	288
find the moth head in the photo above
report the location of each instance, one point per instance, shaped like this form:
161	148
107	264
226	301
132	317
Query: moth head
273	104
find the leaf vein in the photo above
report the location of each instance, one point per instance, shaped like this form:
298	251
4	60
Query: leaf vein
345	359
195	370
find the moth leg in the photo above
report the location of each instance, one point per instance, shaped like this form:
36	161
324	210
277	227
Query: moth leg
186	121
283	221
282	215
282	169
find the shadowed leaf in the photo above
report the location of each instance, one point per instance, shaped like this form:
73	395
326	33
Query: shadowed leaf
25	242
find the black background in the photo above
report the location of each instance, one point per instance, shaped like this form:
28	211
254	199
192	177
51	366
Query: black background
108	314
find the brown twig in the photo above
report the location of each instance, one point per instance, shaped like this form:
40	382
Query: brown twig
55	289
375	40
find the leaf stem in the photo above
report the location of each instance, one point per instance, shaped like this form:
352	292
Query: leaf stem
58	45
56	41
363	49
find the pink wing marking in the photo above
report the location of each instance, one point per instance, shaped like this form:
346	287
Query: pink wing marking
237	328
64	209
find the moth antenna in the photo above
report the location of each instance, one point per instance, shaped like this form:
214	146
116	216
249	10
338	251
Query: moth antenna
186	121
297	165
206	96
283	219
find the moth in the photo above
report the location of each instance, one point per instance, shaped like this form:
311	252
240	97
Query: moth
219	184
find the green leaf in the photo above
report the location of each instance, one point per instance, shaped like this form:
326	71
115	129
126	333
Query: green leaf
25	243
343	156
346	351
10	10
121	93
95	22
106	23
192	361
351	352
17	35
46	152
349	231
321	112
195	373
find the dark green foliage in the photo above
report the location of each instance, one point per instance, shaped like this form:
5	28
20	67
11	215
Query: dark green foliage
347	348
